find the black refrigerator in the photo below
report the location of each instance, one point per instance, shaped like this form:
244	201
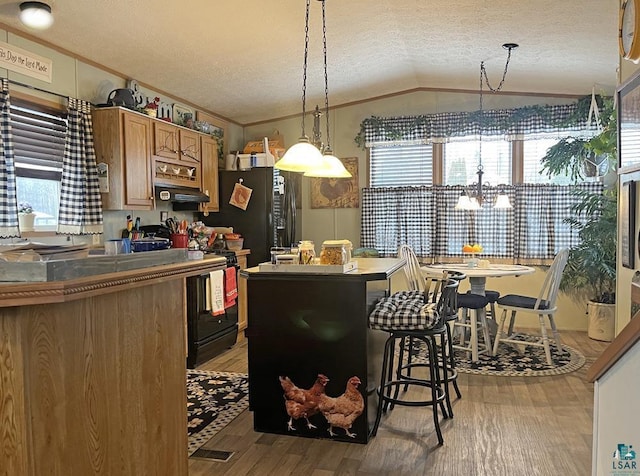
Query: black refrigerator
259	223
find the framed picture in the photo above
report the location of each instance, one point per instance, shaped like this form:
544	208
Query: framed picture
627	224
629	125
337	193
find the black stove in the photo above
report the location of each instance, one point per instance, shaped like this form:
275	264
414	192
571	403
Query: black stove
209	335
232	259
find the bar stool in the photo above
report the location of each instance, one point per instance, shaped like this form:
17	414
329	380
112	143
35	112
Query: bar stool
404	315
432	287
471	306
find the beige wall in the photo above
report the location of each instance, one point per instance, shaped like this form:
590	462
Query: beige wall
320	225
86	81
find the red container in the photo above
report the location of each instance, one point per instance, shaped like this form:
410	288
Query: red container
179	240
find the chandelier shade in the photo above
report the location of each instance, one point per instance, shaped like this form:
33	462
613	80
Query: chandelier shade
332	167
301	157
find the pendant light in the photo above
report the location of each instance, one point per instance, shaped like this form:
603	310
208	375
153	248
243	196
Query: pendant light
331	165
304	156
474	201
36	15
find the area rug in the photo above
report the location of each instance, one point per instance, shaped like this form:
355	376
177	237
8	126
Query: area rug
513	361
214	399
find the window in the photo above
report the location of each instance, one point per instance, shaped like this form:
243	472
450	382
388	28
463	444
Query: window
408	203
461	160
401	166
533	150
38	140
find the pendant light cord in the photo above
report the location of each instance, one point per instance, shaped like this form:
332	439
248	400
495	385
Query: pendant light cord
326	79
304	69
485	79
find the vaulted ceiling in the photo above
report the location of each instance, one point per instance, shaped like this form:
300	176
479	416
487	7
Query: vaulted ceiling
243	59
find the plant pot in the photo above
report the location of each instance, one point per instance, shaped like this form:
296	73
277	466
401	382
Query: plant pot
25	221
602	321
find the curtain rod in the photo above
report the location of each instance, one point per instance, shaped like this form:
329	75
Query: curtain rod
28	86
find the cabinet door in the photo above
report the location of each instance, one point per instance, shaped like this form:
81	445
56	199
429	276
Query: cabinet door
165	140
137	160
209	157
242	299
189	146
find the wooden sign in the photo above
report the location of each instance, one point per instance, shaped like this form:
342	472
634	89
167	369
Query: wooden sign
22	61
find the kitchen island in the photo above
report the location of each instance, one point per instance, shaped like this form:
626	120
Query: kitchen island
93	375
302	325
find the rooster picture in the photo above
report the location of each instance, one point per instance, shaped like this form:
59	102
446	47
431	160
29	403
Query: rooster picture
342	411
301	403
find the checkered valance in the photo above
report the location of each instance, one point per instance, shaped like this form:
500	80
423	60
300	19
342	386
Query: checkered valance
560	120
425	218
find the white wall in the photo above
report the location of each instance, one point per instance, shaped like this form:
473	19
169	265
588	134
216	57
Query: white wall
616	417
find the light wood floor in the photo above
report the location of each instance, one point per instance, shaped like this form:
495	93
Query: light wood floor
502	426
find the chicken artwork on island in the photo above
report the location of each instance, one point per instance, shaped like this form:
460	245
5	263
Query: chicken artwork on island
342	411
301	403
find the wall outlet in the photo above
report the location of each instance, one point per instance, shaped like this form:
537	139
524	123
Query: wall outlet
95	239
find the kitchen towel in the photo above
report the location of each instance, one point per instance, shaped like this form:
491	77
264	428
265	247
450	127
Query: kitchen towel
230	287
215	293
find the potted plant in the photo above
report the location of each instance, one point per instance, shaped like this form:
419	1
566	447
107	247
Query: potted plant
26	217
591	267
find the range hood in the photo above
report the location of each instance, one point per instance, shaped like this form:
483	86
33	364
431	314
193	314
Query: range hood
180	194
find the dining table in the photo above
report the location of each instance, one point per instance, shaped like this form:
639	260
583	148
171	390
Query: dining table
478	274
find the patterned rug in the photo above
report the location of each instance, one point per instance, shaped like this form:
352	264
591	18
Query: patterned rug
517	361
214	399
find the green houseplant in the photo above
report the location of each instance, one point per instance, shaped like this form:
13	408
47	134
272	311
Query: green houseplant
591	268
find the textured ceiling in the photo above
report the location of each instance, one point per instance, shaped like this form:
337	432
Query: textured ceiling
243	59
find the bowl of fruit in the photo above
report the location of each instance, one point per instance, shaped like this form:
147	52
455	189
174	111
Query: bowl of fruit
470	252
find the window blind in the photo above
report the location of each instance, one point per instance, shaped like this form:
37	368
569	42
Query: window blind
401	166
38	140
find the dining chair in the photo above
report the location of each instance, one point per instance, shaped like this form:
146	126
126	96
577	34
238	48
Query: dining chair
473	318
542	305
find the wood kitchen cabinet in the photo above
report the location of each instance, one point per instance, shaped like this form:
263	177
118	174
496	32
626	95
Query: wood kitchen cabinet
242	294
122	140
209	164
176	143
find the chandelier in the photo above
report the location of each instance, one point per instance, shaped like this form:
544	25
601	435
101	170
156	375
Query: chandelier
312	160
473	200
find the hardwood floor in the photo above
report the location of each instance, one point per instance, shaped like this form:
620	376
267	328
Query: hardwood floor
502	426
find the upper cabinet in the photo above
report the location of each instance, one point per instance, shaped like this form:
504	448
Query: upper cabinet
141	152
176	155
175	143
209	154
122	140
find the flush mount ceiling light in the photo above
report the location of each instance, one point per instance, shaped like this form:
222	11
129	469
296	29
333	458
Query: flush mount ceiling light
36	15
474	200
304	156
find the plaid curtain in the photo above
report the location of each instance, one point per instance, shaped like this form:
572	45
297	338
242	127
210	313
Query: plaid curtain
8	200
531	232
554	120
80	203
